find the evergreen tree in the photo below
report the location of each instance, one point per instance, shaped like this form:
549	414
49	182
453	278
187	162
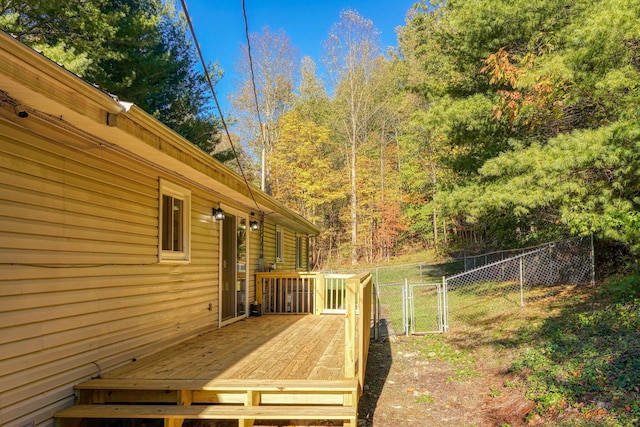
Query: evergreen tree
135	49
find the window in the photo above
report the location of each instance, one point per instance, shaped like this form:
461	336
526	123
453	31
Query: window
279	245
300	241
175	223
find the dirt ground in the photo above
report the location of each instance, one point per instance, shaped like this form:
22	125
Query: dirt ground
405	388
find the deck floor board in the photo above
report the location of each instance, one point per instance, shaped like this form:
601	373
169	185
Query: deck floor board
270	347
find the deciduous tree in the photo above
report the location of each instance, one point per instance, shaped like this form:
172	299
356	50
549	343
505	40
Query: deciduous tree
271	81
351	52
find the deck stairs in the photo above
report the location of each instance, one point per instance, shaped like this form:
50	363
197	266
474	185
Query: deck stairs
246	401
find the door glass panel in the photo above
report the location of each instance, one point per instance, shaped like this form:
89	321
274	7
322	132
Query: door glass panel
233	288
228	294
241	267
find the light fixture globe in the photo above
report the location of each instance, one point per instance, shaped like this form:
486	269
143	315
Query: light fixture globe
218	214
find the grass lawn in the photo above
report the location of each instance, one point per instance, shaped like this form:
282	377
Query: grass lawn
574	352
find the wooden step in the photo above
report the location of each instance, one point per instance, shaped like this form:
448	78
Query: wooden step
296	392
214	385
217	412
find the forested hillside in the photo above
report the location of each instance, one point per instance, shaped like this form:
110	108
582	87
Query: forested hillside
495	123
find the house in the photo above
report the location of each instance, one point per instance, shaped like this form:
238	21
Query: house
110	248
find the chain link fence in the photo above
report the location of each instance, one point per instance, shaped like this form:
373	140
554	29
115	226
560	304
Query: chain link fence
392	309
425	298
544	271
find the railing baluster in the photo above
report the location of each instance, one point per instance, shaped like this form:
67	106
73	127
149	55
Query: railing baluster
294	292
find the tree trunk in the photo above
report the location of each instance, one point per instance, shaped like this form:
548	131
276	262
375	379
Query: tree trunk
435	206
354	204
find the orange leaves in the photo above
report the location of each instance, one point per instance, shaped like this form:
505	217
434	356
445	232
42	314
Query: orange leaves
521	87
501	70
597	413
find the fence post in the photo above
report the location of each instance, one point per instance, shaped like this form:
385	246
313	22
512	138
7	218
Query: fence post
350	328
445	305
521	284
405	302
376	311
593	263
320	293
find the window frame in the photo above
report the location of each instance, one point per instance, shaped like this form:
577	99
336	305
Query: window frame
279	244
178	192
300	239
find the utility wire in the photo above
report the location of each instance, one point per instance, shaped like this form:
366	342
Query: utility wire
215	97
253	78
263	130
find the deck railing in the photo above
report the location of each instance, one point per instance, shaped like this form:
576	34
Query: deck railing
289	292
357	325
301	292
315	293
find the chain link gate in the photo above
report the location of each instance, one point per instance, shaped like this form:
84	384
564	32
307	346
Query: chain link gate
392	309
415	308
428	317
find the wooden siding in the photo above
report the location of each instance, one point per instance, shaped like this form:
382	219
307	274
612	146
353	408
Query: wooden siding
288	263
81	287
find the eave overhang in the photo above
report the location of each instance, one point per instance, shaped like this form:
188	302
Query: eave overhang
46	87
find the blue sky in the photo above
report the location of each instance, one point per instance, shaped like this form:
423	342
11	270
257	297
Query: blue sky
219	26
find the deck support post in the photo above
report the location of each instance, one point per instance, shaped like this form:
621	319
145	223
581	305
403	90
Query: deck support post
253	398
185	397
350	329
173	422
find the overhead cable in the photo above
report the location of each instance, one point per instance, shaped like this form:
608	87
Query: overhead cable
215	98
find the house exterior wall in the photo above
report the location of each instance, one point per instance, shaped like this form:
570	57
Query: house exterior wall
288	262
81	287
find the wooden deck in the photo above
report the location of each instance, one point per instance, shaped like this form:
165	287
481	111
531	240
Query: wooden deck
285	367
282	347
277	367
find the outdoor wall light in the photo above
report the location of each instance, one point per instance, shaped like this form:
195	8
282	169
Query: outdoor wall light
253	224
218	214
21	111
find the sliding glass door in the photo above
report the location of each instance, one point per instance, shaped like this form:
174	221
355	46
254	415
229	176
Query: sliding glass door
233	283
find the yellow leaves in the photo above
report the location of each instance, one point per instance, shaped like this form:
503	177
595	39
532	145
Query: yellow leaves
301	171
